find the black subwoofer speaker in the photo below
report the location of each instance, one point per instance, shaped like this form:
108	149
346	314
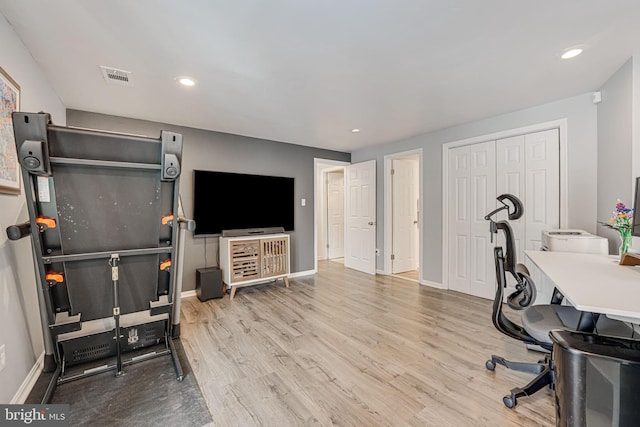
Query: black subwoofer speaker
209	283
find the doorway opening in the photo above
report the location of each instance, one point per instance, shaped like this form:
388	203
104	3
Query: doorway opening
403	208
329	210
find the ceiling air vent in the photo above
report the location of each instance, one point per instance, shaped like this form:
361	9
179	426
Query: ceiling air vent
116	77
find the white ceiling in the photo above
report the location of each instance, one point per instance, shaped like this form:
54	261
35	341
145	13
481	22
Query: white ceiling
307	72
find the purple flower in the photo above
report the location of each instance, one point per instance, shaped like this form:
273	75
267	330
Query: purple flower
622	217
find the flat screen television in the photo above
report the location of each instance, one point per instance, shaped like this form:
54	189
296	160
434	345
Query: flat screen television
229	201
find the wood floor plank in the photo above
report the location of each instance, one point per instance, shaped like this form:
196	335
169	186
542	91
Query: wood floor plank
345	348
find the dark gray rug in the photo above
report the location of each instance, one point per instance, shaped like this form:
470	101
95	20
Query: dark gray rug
148	395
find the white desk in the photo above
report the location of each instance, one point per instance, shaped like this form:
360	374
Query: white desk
593	282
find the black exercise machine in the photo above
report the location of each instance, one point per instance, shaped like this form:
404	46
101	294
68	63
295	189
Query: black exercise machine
105	230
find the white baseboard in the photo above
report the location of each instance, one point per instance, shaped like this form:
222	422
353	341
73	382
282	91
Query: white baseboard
302	273
187	294
27	385
432	284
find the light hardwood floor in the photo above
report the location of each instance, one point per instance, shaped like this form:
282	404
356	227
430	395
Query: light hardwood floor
410	275
345	348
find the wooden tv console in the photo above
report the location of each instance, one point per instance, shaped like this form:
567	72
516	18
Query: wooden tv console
249	260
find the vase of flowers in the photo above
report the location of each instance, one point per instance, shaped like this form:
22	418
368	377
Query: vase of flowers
622	220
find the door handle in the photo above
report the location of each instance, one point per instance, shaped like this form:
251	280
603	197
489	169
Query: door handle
371	223
415	222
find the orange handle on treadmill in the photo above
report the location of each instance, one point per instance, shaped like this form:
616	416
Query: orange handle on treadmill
165	264
45	222
166	219
54	277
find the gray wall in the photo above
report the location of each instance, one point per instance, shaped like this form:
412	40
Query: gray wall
615	148
580	113
20	330
230	153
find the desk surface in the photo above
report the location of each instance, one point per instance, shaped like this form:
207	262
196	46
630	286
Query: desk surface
593	282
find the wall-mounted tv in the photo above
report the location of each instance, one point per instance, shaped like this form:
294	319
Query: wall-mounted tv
229	201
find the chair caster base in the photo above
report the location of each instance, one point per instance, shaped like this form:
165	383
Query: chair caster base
510	401
544	377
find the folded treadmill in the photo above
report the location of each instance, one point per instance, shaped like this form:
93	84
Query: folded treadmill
103	221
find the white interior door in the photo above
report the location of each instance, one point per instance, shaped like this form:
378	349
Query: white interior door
510	165
529	167
482	177
472	183
459	221
360	212
542	187
405	175
335	214
321	213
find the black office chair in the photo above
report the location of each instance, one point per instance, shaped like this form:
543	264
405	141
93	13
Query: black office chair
537	320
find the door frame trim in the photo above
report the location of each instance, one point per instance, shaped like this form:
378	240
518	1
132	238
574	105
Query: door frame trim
560	124
388	225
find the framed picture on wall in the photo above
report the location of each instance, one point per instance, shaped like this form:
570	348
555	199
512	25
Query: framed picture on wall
9	166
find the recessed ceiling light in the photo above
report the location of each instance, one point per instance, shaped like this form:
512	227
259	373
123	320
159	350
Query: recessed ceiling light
356	130
571	53
186	81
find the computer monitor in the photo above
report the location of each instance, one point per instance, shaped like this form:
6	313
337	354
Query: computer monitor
635	229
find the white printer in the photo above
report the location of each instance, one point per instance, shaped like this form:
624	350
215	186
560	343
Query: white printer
574	241
567	240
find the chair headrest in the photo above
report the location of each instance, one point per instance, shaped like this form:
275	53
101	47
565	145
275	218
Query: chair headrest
515	210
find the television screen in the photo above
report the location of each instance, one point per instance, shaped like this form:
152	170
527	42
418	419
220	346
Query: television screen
229	201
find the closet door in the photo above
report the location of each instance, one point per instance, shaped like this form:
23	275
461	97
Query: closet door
528	166
482	174
542	188
471	196
510	165
459	221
